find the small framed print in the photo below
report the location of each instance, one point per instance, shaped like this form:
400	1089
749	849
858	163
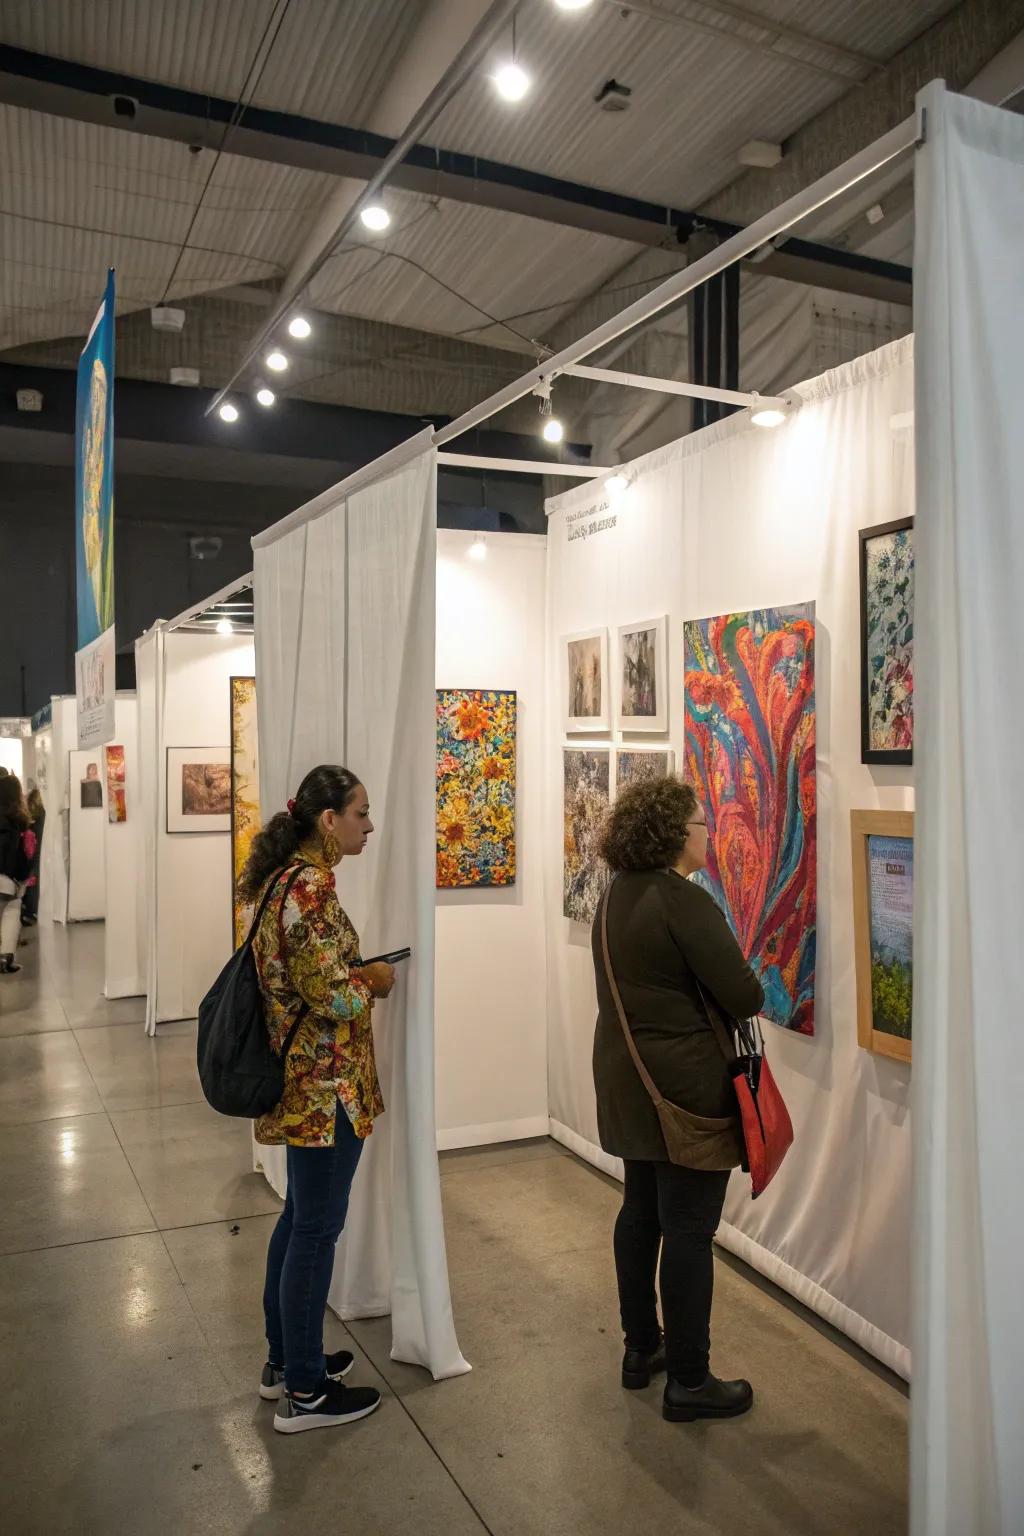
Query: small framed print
883	926
585	681
198	789
643	676
887	643
635	765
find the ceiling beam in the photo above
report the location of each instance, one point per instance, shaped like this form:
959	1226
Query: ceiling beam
42	83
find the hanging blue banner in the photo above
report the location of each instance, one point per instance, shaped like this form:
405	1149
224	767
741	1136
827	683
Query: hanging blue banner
94	528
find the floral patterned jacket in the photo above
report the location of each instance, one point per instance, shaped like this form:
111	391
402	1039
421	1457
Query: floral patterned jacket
305	949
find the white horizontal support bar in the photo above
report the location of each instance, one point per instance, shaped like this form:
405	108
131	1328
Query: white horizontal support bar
241	585
522	466
681	283
676	387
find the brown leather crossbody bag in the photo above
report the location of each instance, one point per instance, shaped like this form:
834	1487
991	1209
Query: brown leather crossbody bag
691	1141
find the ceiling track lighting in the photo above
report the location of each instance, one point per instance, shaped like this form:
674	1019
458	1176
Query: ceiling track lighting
574	5
771	414
375	217
299	327
510	81
228	412
266	397
277	362
552	431
478	549
225	627
617	483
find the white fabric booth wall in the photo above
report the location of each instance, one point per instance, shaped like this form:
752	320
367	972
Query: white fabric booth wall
967	1427
183	681
87	879
58	740
491	1047
345	603
124	971
729	519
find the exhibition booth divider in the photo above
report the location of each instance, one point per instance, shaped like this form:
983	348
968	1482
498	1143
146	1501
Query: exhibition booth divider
184	670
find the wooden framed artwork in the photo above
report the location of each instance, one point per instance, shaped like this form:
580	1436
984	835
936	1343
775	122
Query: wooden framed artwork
198	789
887	643
585	681
883	921
643	676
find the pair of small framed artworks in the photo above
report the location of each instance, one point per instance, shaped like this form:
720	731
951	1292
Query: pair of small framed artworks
641	693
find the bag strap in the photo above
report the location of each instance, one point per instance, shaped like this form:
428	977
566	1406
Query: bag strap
657	1096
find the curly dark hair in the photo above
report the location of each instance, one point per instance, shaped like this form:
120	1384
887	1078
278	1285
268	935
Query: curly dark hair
12	801
326	788
647	828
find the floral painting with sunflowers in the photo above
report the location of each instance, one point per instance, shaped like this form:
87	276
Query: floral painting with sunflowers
476	787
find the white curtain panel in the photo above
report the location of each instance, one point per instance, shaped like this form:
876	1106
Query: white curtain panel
726	520
968	1422
149	664
345	674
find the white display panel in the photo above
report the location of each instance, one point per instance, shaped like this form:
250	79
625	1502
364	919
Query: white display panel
726	520
491	944
123	855
87	814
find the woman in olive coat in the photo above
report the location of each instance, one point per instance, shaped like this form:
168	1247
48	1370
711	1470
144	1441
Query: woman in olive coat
669	942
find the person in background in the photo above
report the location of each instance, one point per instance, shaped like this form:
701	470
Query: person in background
307	957
37	820
16	850
667	939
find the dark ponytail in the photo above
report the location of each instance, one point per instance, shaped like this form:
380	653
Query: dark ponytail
327	788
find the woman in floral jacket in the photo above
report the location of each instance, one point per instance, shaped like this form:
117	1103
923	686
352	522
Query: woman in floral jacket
307	956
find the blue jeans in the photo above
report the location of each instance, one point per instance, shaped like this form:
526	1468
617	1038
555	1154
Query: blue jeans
300	1259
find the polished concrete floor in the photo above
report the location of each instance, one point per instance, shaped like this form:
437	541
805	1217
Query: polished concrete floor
132	1236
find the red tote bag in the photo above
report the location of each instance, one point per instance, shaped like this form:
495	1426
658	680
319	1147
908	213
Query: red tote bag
767	1128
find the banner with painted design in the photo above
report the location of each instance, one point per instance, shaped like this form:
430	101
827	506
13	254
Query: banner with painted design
94	528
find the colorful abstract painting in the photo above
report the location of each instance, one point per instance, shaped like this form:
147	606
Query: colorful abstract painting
634	766
887	642
245	793
585	809
476	787
750	754
117	810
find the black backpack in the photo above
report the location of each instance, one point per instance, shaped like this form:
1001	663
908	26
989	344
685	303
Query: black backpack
239	1069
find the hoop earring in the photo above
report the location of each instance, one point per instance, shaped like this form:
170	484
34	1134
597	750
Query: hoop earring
332	852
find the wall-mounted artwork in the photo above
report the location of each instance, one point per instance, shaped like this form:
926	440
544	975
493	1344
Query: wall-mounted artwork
586	799
91	788
245	793
117	808
887	642
198	789
585	674
883	926
750	754
643	676
635	765
476	787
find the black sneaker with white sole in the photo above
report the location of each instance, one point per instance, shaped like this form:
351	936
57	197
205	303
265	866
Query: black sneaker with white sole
330	1404
272	1381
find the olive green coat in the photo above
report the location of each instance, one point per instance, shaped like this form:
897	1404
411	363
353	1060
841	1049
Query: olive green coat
664	933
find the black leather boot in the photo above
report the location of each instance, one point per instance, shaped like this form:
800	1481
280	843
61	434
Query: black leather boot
714	1400
639	1365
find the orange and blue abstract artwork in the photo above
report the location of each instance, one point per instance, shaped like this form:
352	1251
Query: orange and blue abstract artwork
750	755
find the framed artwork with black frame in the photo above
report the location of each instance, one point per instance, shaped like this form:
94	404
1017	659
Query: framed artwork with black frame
887	643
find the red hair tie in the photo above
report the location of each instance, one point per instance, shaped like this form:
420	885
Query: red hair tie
291	807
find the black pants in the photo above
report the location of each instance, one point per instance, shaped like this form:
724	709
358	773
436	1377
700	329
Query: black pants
676	1210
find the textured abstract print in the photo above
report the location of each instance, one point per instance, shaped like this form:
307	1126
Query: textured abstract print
750	754
585	809
476	787
889	633
305	950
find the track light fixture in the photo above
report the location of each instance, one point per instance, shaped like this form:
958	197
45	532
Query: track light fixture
277	362
299	327
552	430
225	627
265	396
375	217
228	412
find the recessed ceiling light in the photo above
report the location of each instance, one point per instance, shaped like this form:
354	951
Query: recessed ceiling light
299	327
511	82
228	412
277	361
265	396
375	217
